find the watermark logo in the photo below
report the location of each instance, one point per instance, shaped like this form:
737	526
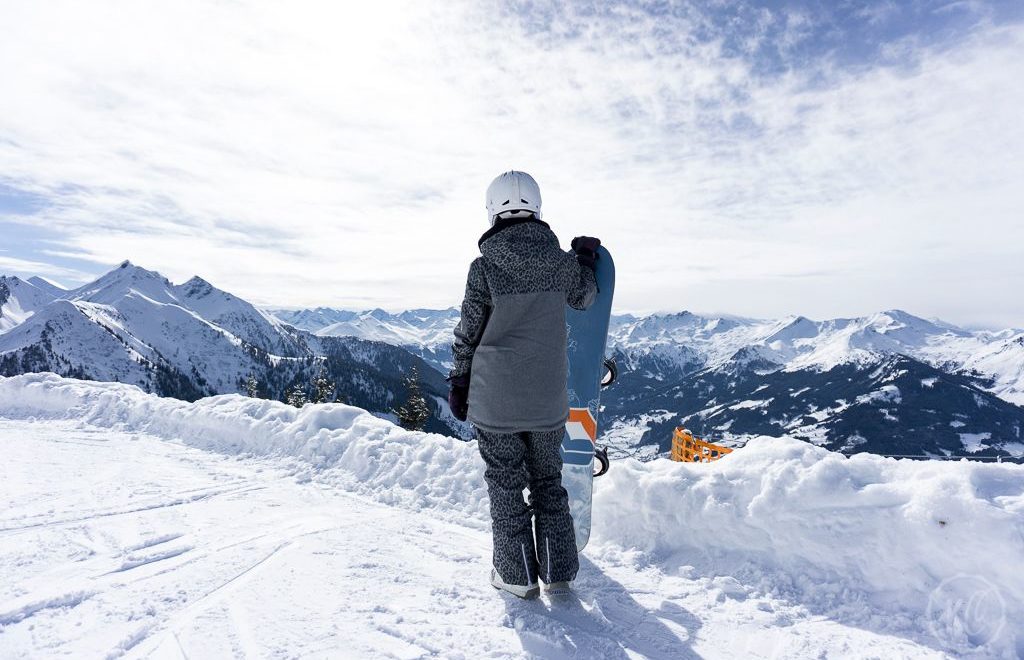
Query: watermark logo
966	611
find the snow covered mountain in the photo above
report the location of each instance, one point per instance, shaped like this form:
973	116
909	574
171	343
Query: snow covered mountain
140	526
424	332
688	342
890	382
47	286
892	405
191	340
314	320
19	300
800	343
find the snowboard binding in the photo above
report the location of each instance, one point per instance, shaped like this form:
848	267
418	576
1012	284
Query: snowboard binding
611	372
601	456
601	453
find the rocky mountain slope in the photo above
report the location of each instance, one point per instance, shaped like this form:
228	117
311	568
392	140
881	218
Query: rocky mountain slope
888	383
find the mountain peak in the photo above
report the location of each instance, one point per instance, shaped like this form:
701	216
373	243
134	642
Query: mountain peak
196	287
17	286
793	329
121	281
897	320
127	268
799	322
11	280
47	286
901	315
19	300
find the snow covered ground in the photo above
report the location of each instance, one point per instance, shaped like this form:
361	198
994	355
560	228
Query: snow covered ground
144	527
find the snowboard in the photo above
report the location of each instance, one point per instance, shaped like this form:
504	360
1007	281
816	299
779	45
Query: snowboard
588	334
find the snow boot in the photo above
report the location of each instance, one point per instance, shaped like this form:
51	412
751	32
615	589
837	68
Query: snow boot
558	589
526	591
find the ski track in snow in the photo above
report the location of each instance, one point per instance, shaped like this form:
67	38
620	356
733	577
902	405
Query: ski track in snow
120	544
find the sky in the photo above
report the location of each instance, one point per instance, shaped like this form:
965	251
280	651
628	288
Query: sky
824	158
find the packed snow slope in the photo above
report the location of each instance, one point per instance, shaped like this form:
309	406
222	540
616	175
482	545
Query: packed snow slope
144	526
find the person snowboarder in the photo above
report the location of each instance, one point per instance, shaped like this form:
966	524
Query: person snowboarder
509	381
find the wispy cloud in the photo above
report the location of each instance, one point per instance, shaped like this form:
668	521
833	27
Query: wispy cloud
738	158
28	268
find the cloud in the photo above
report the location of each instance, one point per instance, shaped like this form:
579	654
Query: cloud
325	153
27	268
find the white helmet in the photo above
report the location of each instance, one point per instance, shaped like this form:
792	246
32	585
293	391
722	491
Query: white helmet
513	191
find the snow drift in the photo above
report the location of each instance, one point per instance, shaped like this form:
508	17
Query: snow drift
852	538
893	545
342	444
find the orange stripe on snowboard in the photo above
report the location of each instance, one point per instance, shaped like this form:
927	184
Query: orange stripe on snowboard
582	416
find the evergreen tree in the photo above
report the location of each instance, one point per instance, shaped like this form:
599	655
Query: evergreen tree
323	388
297	396
252	386
413	415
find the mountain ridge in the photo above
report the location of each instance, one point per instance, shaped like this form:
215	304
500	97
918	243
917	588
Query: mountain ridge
796	341
192	340
728	377
694	354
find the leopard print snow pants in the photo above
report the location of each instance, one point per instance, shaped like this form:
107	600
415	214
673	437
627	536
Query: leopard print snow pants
516	461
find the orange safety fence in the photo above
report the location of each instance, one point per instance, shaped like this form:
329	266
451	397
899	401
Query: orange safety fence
688	448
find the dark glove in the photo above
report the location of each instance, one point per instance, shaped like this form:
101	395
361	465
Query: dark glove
585	248
458	396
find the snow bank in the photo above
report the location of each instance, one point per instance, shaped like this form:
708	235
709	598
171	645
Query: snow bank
855	538
347	446
893	545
